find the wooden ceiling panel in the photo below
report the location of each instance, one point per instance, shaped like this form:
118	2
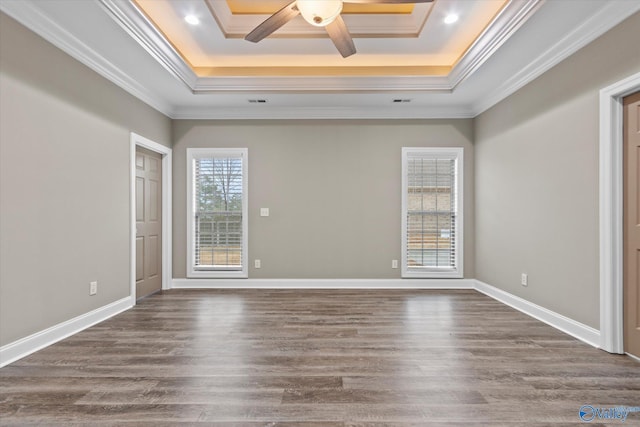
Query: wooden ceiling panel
265	7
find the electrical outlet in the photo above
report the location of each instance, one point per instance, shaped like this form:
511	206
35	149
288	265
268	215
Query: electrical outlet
257	263
524	279
394	263
93	288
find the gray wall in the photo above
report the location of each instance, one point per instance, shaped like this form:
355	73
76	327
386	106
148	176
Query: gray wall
332	186
333	189
64	183
537	179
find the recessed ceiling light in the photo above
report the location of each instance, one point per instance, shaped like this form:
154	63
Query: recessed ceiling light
192	19
451	18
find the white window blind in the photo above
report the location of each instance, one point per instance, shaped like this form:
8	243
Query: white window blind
218	213
432	218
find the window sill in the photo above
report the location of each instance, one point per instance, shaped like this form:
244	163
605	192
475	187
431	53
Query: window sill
432	274
217	274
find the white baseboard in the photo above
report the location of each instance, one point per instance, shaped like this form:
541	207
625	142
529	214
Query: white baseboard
322	284
569	326
23	347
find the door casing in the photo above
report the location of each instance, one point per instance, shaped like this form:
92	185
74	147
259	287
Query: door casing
140	141
611	212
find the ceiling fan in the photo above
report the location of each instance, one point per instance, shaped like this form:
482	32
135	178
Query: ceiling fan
321	13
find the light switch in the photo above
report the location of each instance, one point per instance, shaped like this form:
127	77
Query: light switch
264	211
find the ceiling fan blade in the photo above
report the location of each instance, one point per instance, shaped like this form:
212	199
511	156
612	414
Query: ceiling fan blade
340	37
387	1
274	22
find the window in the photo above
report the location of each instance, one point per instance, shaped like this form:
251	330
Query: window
432	212
217	212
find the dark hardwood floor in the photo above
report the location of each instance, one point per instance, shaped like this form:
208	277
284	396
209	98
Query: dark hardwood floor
317	358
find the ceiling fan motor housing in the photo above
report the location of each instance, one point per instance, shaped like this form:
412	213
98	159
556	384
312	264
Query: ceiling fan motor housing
319	12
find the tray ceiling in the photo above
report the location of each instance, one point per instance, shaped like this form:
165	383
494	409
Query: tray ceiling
409	64
410	40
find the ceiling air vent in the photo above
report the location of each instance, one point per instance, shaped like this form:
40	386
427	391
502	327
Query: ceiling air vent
401	101
257	101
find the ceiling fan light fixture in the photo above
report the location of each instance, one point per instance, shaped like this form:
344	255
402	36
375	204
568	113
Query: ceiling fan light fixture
319	12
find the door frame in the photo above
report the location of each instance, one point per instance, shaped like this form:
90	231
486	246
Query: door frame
611	212
167	256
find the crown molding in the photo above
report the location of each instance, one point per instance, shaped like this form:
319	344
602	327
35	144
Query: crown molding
320	113
606	18
26	13
508	21
142	30
303	84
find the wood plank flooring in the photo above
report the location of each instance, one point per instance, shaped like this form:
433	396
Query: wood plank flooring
317	358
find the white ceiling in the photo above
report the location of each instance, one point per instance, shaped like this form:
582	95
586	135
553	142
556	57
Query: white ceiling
106	35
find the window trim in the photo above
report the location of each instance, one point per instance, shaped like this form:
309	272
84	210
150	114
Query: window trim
195	153
456	153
